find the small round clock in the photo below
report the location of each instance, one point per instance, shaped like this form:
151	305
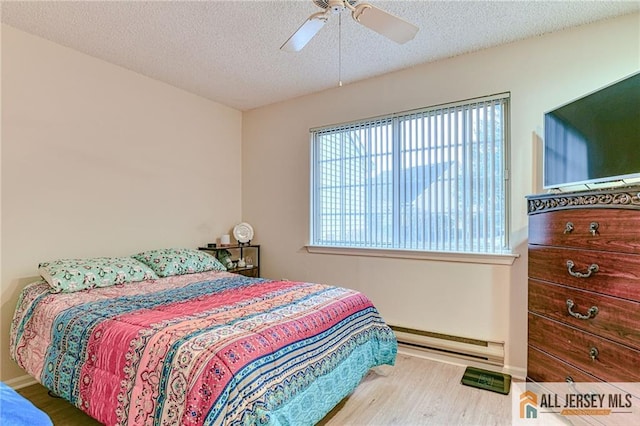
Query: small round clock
243	232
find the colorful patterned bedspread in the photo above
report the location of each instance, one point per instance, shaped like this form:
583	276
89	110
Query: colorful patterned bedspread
208	348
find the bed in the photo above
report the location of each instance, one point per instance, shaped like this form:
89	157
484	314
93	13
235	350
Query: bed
200	348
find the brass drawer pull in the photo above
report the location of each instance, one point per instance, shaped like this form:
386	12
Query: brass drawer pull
568	228
593	228
572	385
593	353
592	270
591	313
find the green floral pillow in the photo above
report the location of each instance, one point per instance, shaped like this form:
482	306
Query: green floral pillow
176	261
69	275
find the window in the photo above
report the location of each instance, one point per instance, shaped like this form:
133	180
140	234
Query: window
432	179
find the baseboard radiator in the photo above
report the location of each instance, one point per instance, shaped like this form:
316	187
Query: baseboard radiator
460	347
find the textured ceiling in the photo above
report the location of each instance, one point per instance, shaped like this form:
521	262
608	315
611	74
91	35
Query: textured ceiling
228	51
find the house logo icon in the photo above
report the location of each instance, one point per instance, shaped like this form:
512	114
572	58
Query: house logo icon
528	405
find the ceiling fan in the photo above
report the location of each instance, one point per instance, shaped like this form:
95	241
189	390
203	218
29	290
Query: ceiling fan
382	22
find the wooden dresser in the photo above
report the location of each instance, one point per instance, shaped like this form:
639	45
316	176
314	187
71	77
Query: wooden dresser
584	286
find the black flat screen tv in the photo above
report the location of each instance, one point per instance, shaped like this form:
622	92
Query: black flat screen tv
594	141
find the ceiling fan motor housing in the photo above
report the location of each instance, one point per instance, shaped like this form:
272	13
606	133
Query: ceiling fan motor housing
336	6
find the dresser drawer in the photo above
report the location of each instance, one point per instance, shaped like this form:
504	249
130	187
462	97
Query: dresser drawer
542	367
617	274
613	229
616	319
612	362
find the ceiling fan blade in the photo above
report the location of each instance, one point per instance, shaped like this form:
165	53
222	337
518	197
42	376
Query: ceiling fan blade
305	33
384	23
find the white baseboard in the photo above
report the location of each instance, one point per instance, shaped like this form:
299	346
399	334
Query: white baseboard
515	372
21	382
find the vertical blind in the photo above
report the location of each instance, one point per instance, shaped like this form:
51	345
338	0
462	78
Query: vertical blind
431	179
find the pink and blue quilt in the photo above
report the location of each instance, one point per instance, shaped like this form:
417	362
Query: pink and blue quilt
201	349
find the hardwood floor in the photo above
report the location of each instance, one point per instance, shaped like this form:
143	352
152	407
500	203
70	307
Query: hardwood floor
418	391
62	413
415	391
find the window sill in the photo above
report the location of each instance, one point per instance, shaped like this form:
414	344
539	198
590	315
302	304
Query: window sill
492	259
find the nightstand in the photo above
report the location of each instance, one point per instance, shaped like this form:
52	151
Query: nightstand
237	252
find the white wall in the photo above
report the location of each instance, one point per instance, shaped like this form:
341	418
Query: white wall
100	161
474	300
